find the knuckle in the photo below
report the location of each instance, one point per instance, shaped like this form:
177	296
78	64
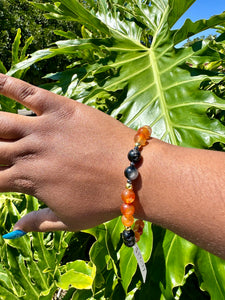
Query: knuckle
26	91
3	80
64	113
21	181
24	185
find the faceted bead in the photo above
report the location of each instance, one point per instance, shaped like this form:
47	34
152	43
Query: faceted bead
127	220
128	238
127	209
128	196
137	236
134	155
140	230
140	138
139	226
149	129
131	172
139	223
146	131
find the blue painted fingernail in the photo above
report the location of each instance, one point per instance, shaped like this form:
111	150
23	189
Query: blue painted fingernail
14	234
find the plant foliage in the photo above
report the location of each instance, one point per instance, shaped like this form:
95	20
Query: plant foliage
30	266
18	54
15	14
128	64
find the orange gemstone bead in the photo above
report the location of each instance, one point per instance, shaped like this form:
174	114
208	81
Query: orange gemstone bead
127	209
137	236
146	131
149	129
139	224
140	230
128	196
127	220
140	138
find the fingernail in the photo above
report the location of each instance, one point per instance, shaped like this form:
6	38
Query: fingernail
14	234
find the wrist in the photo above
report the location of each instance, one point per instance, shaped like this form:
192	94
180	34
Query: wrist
147	185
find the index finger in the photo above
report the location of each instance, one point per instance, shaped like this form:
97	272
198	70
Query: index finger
34	98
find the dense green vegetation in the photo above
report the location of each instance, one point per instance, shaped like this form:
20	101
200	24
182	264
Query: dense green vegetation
127	65
22	14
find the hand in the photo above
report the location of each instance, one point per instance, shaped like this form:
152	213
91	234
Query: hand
70	156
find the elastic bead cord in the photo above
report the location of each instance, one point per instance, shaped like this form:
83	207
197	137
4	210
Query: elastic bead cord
130	236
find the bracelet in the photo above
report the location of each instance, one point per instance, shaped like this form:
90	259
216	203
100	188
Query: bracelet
132	236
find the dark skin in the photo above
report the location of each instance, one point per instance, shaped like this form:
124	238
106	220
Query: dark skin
72	158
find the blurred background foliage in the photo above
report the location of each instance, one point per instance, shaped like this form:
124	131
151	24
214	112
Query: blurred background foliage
21	14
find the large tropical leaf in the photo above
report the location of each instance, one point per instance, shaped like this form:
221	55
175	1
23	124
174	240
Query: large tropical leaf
159	85
128	66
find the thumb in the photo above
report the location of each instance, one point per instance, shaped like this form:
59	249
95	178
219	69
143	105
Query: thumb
40	220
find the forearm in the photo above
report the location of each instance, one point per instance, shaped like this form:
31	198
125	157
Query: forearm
182	189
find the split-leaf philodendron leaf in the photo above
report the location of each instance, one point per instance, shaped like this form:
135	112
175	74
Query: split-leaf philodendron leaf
130	65
157	83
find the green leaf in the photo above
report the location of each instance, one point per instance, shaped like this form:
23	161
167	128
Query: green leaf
98	251
35	57
128	266
146	242
211	271
6	294
2	68
82	295
28	285
29	266
78	274
178	253
191	28
80	13
68	34
15	47
28	42
113	230
6	282
178	8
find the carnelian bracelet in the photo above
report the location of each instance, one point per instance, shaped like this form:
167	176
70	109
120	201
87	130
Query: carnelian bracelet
132	236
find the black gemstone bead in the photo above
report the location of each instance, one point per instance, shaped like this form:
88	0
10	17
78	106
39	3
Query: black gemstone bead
131	172
134	155
128	237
